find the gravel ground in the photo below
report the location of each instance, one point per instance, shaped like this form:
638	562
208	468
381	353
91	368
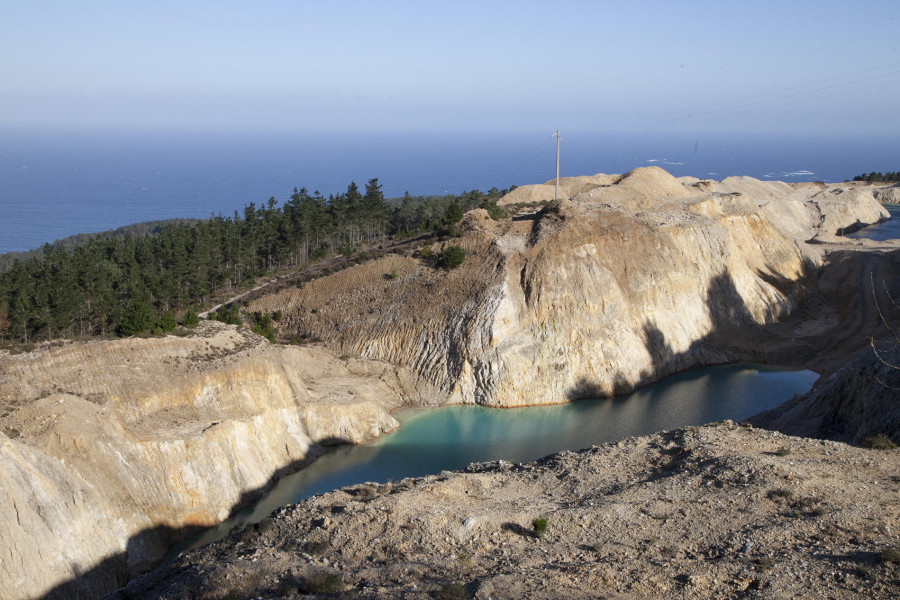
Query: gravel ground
719	511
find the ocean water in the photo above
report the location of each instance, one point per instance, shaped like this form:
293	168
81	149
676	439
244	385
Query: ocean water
53	185
449	438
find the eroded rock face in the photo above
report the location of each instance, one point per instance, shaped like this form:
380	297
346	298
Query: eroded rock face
889	195
113	451
611	288
858	401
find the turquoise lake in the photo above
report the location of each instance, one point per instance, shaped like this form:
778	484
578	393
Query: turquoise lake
449	438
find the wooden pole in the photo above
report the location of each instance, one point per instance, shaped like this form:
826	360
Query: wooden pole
556	195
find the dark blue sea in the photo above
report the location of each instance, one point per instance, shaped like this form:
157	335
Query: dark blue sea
53	185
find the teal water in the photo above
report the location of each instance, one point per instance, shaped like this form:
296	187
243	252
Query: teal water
448	438
888	230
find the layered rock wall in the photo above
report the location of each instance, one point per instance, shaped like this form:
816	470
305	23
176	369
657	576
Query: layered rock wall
113	451
595	294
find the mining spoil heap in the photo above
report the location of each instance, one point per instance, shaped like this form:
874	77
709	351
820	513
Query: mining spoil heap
112	451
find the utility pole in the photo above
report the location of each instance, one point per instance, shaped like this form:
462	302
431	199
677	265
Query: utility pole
556	196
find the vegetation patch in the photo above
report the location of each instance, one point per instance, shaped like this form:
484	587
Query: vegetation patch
190	319
879	442
878	176
451	591
539	527
779	494
452	257
263	325
763	564
324	583
227	314
125	281
891	554
317	548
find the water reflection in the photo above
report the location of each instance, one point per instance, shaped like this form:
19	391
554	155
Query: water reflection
449	438
888	230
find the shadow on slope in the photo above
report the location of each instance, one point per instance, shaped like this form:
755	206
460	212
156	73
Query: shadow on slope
115	571
732	325
148	549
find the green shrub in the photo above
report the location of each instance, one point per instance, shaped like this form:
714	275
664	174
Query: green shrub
891	554
779	494
451	591
539	526
452	257
783	451
494	211
190	319
167	322
262	325
324	583
137	316
317	548
454	213
425	252
228	314
879	442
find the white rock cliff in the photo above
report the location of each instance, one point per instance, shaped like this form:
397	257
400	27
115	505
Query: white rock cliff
113	451
594	295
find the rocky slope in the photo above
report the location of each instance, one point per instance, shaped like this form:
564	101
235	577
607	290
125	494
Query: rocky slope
110	452
615	287
720	511
858	401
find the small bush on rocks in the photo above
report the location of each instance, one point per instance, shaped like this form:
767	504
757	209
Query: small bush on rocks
763	564
452	257
879	442
539	526
317	548
891	554
451	591
779	494
324	583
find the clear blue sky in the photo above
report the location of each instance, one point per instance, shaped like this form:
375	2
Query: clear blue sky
790	66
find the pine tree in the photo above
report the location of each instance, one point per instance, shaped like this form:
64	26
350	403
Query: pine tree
4	321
